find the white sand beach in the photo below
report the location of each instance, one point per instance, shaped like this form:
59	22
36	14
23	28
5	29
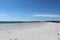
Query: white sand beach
30	31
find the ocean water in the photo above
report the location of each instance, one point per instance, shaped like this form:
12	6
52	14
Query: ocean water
8	22
14	22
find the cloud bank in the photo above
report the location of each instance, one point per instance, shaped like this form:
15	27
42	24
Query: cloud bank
41	15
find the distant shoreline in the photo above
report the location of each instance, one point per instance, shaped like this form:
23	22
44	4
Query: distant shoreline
2	22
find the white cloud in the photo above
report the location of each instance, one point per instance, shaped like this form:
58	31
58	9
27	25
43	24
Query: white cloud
1	15
42	15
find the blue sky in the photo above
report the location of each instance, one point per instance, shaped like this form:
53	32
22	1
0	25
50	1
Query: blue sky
29	10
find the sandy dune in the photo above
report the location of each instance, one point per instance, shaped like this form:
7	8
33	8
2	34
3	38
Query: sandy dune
30	31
